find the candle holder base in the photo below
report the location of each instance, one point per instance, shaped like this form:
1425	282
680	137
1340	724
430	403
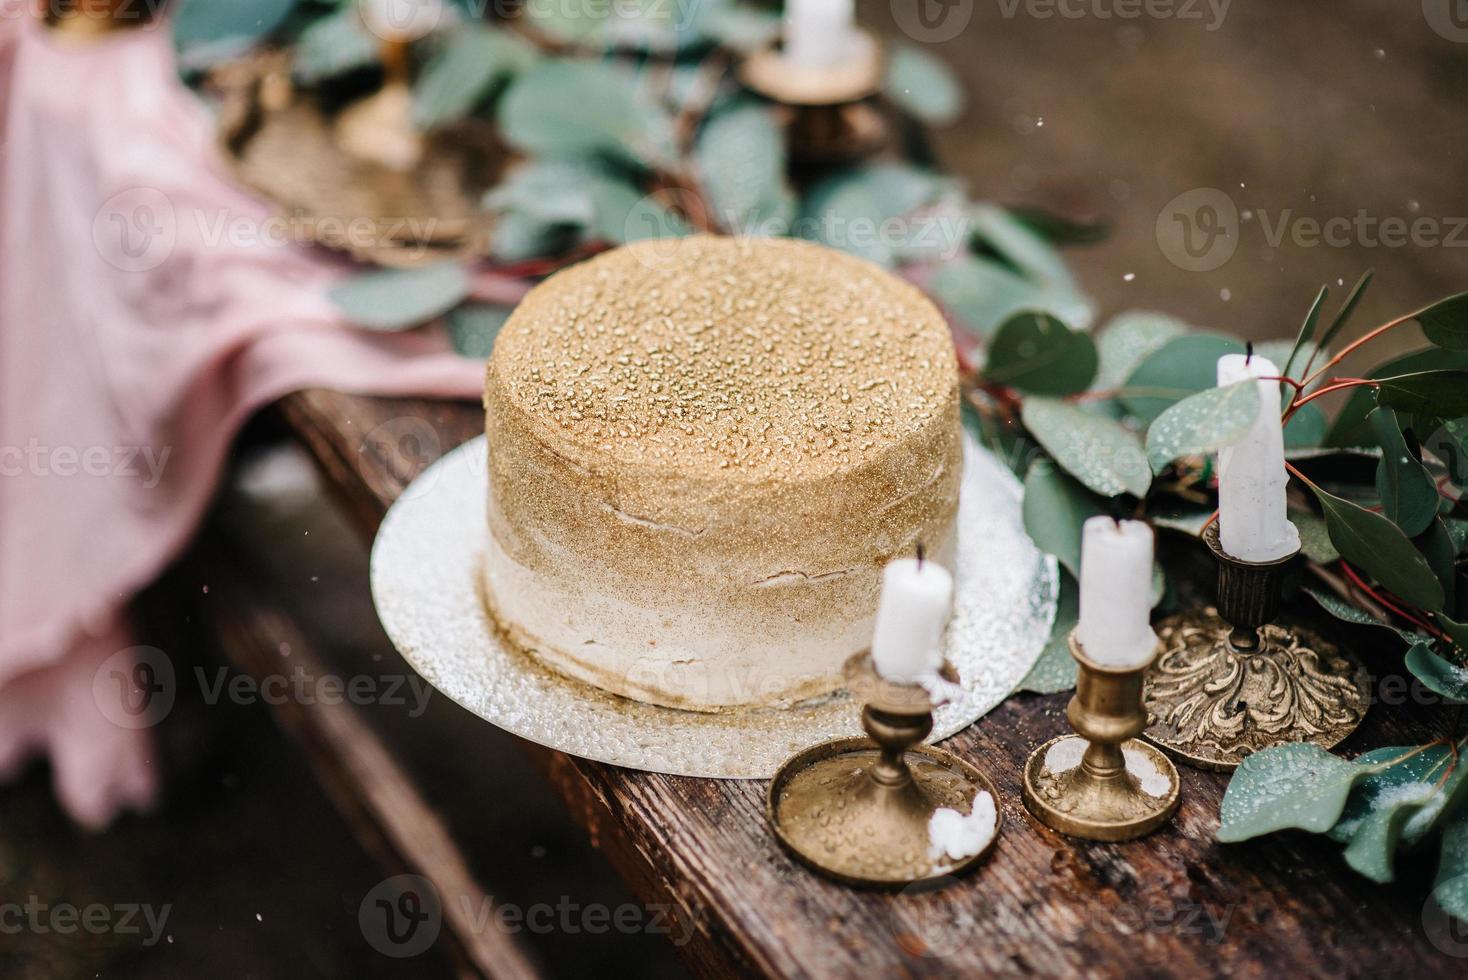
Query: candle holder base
1212	702
857	809
1065	796
829	811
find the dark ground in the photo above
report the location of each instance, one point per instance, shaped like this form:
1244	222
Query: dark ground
1321	110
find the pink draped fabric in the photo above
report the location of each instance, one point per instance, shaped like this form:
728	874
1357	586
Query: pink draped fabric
144	314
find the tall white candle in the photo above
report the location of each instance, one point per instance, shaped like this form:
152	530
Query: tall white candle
1252	522
1115	628
819	33
917	597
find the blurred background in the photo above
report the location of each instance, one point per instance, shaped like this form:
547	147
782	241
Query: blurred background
1240	153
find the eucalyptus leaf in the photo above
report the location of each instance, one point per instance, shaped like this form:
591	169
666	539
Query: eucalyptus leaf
1306	336
1372	542
1438	674
1297	785
1440	393
1350	427
198	22
565	107
983	294
1202	423
1436	545
462	74
1129	339
1446	323
1055	670
334	45
1348	613
473	328
1408	492
1180	368
396	299
923	85
1398	786
741	157
998	232
1306	428
866	210
1314	538
1103	454
1177	517
1037	354
1055	507
1450	888
1343	315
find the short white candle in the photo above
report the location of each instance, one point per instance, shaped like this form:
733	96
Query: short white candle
917	597
401	20
1115	627
1252	521
819	33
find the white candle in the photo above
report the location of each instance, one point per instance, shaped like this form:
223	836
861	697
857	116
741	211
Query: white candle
819	33
1252	522
1115	627
401	20
916	599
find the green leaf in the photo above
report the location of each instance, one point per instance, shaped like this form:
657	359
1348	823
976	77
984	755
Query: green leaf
1055	670
395	299
460	75
1101	453
1440	393
1182	518
1348	613
1202	423
855	209
334	45
1306	428
1446	323
1437	674
1180	368
1314	538
1298	785
1347	308
554	192
1458	632
1129	339
1038	354
983	294
1307	333
923	85
1408	492
1055	507
1436	545
741	157
998	233
1398	786
1450	888
1350	427
563	107
208	21
1371	542
473	328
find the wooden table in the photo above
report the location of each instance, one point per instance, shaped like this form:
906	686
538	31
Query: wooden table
1174	903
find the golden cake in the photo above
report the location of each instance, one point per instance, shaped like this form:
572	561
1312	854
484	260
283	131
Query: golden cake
701	456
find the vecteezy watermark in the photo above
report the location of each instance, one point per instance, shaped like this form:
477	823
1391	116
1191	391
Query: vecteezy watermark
139	229
1201	229
135	14
1447	18
1209	13
932	21
402	917
137	688
394	454
144	463
1445	931
98	919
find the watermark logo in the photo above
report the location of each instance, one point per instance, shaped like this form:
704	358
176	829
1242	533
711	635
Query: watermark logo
65	919
135	688
1210	13
395	453
401	20
1446	932
401	917
1447	18
136	230
932	21
1199	229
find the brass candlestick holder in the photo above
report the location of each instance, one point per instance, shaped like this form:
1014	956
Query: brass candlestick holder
380	128
829	113
857	809
1101	783
1230	682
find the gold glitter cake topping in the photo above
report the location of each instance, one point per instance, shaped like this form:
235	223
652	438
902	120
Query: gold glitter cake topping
743	356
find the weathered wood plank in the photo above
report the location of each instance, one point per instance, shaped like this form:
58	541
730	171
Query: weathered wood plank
1174	903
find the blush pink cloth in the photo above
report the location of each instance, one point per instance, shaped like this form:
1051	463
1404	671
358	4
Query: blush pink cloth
142	319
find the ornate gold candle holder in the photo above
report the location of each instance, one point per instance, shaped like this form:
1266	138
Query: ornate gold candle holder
1101	783
830	115
857	810
1230	682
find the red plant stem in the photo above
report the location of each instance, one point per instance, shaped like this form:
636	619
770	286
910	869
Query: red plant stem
1357	581
1299	386
1357	344
1339	384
